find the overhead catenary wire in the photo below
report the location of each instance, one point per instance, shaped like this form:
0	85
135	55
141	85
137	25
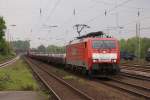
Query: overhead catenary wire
46	6
141	19
117	6
69	20
130	23
133	30
48	17
103	13
105	10
107	3
52	11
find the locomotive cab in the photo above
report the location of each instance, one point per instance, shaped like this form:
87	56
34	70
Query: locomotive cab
105	56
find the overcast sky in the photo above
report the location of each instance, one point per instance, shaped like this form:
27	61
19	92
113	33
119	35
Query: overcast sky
33	25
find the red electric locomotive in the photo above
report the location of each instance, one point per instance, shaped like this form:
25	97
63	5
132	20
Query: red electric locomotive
95	54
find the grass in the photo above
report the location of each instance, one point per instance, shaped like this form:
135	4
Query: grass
17	77
69	77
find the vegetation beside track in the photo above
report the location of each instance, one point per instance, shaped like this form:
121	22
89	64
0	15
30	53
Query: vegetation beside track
131	45
4	58
6	49
17	77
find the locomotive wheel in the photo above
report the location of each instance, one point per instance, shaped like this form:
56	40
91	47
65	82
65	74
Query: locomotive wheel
116	69
66	67
90	74
84	71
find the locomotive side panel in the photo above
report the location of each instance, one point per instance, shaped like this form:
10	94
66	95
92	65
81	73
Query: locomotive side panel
77	54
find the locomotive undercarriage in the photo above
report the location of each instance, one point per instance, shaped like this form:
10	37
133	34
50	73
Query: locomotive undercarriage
105	69
98	70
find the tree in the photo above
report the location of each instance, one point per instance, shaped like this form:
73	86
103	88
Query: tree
145	44
2	28
123	45
2	34
21	46
41	48
55	49
132	45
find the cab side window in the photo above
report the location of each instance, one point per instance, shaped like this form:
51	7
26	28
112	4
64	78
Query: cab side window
85	44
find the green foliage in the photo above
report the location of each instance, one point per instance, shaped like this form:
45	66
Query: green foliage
7	50
41	48
132	44
21	45
17	77
3	44
123	44
5	47
4	58
2	28
51	49
55	49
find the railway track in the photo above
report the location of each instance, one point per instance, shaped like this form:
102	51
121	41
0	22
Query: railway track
137	68
61	89
9	62
134	89
3	60
140	77
137	63
137	71
143	65
132	81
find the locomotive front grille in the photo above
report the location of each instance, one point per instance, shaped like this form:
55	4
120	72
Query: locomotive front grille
104	68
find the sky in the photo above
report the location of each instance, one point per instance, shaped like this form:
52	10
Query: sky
33	19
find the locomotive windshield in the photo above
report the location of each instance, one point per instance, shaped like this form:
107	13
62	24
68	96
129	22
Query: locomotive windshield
104	44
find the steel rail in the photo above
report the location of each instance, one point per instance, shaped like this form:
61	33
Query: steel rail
39	76
65	83
9	62
123	86
135	76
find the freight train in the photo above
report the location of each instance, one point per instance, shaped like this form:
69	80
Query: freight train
147	57
94	54
127	55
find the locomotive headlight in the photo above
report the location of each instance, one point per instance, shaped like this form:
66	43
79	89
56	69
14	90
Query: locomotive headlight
114	60
95	60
